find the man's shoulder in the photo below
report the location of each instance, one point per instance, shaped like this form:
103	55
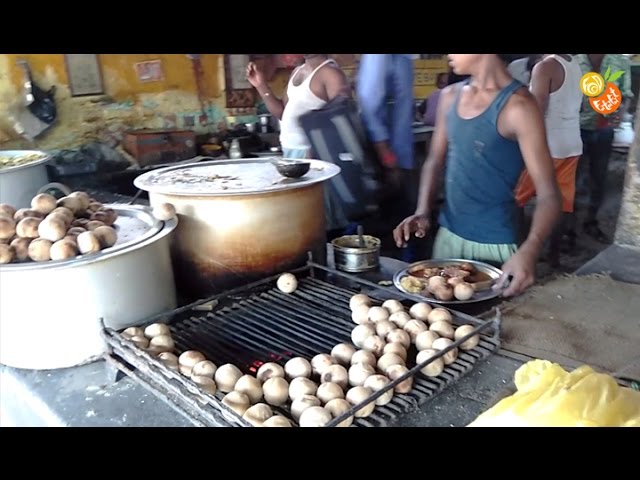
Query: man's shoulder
521	104
548	67
449	93
331	72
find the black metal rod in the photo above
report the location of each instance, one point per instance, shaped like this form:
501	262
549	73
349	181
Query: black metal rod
145	384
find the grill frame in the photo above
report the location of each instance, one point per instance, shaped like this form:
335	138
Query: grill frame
242	302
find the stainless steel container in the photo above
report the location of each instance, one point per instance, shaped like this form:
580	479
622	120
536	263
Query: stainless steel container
240	220
50	311
349	256
19	184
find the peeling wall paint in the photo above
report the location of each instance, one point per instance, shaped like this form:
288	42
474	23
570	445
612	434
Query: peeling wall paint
127	103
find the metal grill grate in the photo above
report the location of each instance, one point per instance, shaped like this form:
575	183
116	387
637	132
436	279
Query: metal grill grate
271	326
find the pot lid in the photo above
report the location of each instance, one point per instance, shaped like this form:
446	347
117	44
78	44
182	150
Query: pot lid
12	160
230	177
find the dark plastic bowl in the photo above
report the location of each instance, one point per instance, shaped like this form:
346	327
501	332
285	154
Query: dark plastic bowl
292	168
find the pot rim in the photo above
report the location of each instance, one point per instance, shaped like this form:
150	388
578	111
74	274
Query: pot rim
158	230
357	250
15	153
320	171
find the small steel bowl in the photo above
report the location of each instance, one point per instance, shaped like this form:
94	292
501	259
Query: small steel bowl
349	256
292	168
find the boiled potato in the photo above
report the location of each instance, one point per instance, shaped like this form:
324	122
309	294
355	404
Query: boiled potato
65	213
287	283
93	224
72	203
156	329
100	216
111	215
7	228
94	206
21	248
7	210
80	222
277	421
164	212
39	250
7	253
63	250
463	291
83	198
359	299
52	228
88	243
26	212
107	236
463	331
44	203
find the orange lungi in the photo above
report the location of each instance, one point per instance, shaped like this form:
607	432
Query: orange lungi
566	176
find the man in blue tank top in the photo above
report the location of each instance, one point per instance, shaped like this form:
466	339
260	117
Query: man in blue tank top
488	128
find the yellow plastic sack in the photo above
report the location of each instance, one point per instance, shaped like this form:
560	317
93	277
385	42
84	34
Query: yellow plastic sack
549	396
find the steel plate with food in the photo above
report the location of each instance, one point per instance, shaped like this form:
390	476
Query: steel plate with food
449	281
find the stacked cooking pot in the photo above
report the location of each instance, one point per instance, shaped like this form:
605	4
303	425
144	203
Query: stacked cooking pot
51	312
240	220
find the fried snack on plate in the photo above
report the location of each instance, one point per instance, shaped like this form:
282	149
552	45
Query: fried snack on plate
412	284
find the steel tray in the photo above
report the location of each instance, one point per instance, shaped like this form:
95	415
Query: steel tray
488	294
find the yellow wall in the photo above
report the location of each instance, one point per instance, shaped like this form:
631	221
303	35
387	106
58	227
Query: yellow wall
128	103
425	73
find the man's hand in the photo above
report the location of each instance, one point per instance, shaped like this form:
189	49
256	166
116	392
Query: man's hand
521	267
418	224
255	76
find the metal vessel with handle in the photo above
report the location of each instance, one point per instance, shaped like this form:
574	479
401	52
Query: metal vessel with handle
240	220
20	183
51	312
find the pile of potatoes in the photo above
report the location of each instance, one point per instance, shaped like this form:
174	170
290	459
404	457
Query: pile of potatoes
388	331
55	229
243	392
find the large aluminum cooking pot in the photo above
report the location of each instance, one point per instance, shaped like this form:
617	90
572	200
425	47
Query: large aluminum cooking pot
20	183
50	311
240	220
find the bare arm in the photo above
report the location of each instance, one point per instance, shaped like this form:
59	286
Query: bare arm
273	103
541	82
532	138
529	131
336	83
